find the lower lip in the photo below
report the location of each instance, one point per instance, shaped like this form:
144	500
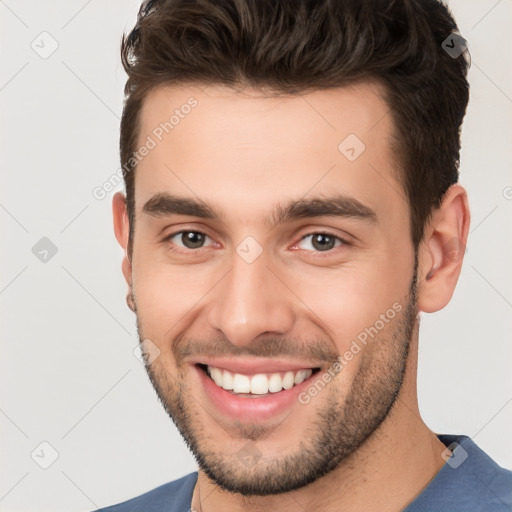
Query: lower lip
260	408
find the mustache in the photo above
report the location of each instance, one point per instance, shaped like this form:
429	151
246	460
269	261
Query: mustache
267	346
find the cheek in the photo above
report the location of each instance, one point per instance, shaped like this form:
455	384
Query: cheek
166	293
347	302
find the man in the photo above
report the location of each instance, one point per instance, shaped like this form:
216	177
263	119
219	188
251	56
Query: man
291	207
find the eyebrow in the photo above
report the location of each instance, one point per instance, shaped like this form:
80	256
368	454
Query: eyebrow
164	204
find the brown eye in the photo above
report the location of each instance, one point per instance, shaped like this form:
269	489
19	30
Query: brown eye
192	239
323	242
187	239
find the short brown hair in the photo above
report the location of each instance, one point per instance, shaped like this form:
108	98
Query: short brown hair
296	46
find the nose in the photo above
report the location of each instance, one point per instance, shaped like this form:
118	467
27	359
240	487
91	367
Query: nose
251	300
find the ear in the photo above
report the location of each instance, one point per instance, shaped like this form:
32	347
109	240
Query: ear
122	231
442	250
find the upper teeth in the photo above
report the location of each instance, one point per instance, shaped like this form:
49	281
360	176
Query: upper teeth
258	384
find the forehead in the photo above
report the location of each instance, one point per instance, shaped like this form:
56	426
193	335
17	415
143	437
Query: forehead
357	109
216	143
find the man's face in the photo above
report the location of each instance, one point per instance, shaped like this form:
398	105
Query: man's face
283	290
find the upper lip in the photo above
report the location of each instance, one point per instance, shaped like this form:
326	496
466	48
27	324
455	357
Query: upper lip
254	365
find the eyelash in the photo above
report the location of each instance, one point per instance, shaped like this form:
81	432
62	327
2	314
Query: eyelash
318	254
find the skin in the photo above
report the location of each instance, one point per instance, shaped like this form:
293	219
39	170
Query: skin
245	153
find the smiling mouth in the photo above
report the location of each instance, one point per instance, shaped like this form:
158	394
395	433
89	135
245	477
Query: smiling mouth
258	385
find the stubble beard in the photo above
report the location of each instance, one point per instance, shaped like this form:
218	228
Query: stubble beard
337	431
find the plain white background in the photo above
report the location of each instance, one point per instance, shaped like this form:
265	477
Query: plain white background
68	373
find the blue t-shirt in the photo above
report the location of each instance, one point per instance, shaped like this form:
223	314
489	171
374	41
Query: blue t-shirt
469	481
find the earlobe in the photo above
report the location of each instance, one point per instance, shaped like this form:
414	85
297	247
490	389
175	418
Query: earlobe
442	251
